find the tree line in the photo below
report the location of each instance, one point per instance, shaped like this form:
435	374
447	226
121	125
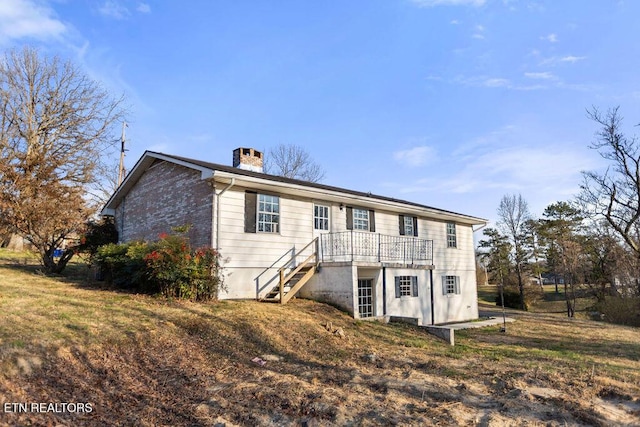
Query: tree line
588	244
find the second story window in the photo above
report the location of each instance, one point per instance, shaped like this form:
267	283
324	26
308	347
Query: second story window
321	217
360	219
452	240
408	225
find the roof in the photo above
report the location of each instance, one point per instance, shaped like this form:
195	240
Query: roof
208	171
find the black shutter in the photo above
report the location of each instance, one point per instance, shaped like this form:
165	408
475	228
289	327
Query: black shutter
397	286
414	286
401	225
372	221
250	205
415	226
349	218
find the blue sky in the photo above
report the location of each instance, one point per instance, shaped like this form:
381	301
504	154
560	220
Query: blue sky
450	103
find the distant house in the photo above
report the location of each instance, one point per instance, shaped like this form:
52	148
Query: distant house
371	255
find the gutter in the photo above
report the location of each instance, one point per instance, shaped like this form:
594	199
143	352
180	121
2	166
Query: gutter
218	195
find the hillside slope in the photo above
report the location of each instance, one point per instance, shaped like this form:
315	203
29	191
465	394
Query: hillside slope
139	360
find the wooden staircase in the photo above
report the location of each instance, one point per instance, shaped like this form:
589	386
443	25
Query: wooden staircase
290	283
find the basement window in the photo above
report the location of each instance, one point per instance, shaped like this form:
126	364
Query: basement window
450	285
406	286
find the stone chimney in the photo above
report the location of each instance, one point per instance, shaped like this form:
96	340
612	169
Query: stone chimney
248	159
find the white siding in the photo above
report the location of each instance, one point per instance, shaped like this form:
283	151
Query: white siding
409	306
250	270
240	249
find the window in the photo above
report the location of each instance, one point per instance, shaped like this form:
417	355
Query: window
452	241
365	297
450	285
360	219
268	213
320	217
408	225
406	286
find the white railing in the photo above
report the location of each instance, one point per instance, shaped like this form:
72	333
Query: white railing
374	247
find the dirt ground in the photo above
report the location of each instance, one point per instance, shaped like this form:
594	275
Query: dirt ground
143	362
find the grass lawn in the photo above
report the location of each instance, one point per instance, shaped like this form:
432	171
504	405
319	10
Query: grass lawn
142	360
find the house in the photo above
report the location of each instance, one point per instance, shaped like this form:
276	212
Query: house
371	255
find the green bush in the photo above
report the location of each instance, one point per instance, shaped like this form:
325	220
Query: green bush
168	266
97	234
622	311
123	265
532	294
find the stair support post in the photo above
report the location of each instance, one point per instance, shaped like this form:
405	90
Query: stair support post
281	286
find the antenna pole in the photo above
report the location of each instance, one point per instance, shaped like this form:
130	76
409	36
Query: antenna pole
121	170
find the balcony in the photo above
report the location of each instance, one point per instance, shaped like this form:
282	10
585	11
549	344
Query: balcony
374	247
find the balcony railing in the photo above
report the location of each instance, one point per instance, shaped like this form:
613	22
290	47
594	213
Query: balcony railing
375	247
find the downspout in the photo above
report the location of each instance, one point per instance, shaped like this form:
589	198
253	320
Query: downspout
218	195
433	315
384	291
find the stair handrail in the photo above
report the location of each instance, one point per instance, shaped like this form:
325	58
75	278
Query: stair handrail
284	255
281	271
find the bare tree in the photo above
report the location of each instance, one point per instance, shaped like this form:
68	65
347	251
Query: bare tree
107	183
615	194
292	161
513	214
55	126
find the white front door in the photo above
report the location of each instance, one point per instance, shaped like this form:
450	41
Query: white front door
321	222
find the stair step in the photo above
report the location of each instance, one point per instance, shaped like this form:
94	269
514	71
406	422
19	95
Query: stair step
294	282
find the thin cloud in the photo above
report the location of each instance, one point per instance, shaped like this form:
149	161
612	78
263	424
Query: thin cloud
496	82
479	81
498	163
28	19
431	3
479	32
572	59
416	156
143	8
541	76
555	60
113	9
551	38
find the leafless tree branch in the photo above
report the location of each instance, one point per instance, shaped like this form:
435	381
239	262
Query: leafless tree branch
292	161
55	126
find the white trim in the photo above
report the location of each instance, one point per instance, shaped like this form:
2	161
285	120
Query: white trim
326	206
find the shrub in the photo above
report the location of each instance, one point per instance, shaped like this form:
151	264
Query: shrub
98	234
623	311
123	265
532	294
168	266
